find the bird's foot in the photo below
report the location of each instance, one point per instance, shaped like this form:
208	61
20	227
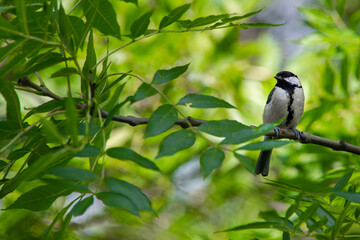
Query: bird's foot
277	130
297	133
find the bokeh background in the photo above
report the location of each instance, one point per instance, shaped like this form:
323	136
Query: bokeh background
319	41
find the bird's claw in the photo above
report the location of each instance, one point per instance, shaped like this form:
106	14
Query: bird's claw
277	130
297	133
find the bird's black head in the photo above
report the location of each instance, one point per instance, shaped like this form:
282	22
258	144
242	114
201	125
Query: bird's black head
284	74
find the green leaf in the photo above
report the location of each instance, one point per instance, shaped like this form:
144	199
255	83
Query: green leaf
247	162
265	145
81	206
45	162
51	132
64	72
257	25
248	134
138	198
8	30
175	142
122	153
286	236
131	1
328	78
163	76
350	196
211	159
88	151
222	128
203	101
78	31
90	61
308	213
161	120
255	225
41	198
13	112
10	49
202	21
21	15
46	107
344	73
41	62
340	185
101	15
144	91
117	200
3	165
72	119
73	174
140	25
174	15
8	129
322	212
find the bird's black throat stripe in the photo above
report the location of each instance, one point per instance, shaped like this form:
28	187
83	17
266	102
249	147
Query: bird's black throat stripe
290	89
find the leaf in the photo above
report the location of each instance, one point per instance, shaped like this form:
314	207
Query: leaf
350	196
247	162
51	132
101	15
13	112
41	62
21	15
72	119
161	120
138	198
73	173
64	72
221	128
203	101
286	236
211	159
41	198
117	200
255	225
90	61
45	162
248	134
340	185
8	129
308	213
8	30
140	25
264	145
46	107
122	153
131	1
144	91
328	78
175	142
81	206
322	212
163	76
88	151
344	73
3	165
257	25
10	49
174	15
202	21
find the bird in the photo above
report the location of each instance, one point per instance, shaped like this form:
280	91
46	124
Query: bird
285	101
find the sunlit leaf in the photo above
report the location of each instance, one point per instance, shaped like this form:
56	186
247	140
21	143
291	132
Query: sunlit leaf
174	15
163	76
202	21
161	120
203	101
117	200
211	159
122	153
139	199
175	142
257	25
140	25
73	173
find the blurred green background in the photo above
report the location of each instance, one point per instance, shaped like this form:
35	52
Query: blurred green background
319	42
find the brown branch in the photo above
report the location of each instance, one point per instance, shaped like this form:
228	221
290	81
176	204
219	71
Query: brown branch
306	137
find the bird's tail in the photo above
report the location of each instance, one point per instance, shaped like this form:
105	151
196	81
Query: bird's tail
263	162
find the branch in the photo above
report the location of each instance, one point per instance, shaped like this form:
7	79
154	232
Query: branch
306	137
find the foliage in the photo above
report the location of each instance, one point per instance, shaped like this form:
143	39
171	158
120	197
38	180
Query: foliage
60	158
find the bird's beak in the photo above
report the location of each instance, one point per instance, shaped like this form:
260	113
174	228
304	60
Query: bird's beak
277	78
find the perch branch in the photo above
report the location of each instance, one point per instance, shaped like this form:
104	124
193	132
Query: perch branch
306	138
